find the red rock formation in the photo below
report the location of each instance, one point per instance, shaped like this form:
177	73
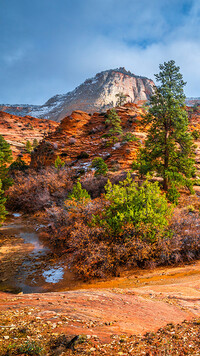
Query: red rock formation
80	138
17	130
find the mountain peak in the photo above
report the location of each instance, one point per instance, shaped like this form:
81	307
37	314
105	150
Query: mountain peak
96	94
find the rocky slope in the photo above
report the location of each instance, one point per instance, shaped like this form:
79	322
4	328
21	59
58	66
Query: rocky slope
192	101
17	130
81	137
95	94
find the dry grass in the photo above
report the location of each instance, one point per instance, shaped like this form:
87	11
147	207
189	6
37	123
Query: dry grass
36	191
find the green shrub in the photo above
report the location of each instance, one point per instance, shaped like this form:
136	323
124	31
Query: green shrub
100	166
31	348
114	121
191	208
18	165
173	195
35	143
58	163
129	137
195	134
144	208
78	193
28	146
83	155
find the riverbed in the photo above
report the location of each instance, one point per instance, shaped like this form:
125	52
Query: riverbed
26	264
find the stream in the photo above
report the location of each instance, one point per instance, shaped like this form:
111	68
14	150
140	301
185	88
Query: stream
26	264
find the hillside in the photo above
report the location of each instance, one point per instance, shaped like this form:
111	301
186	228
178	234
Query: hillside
95	94
81	137
18	130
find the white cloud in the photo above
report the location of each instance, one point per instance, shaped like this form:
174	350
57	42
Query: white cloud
64	48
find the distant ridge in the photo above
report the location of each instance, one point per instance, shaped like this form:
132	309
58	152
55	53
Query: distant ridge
192	101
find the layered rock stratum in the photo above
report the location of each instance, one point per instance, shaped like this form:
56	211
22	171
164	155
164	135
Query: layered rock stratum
81	137
17	130
95	94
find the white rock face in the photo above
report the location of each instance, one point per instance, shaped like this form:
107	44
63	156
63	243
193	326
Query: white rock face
94	95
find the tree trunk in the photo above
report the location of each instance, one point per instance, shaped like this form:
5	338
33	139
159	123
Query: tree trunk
166	160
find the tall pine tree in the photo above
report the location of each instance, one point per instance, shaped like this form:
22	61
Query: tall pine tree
5	159
169	148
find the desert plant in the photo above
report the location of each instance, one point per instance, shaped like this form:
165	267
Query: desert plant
28	146
143	207
195	134
121	98
29	347
59	163
78	193
129	137
18	165
35	143
35	191
100	166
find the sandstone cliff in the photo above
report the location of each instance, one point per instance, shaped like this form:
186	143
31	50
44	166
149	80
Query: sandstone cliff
18	130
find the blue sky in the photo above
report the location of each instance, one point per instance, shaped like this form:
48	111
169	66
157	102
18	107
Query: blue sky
49	47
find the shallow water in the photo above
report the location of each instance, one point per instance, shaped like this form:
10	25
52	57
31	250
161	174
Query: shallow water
30	269
53	275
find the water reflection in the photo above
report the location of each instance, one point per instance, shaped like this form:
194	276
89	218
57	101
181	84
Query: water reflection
53	275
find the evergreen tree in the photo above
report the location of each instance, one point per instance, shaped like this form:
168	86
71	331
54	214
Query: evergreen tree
35	143
100	166
169	148
59	163
5	159
79	194
115	122
29	147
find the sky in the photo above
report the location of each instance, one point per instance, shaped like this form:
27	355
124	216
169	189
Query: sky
49	47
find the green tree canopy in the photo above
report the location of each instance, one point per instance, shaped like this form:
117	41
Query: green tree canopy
59	163
29	147
5	159
100	166
143	208
169	148
114	121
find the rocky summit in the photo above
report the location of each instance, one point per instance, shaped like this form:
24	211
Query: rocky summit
96	94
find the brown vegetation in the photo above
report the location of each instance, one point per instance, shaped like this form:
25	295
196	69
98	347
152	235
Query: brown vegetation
92	254
36	191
